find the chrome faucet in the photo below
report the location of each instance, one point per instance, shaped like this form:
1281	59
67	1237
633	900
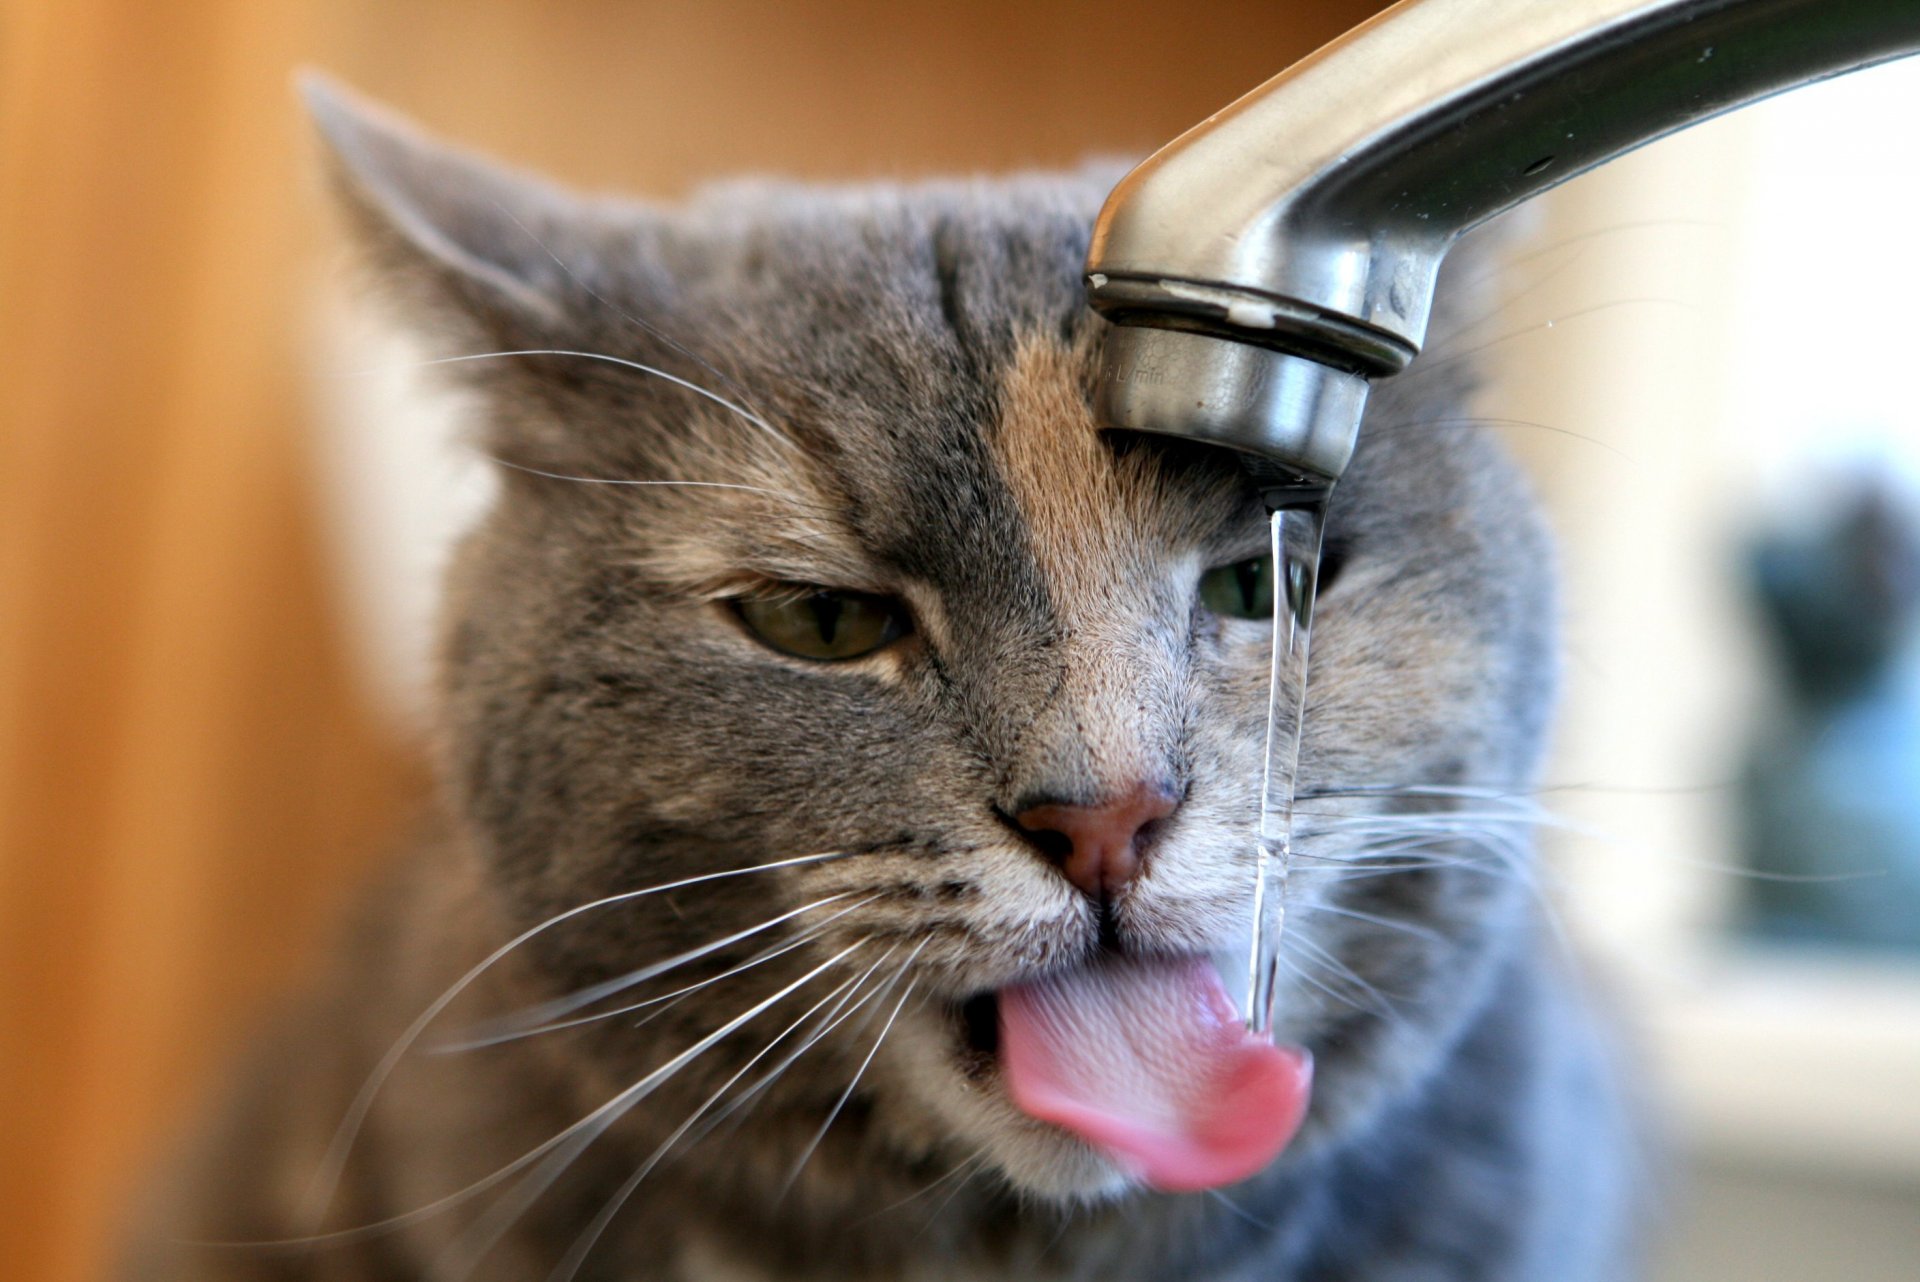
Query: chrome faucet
1263	267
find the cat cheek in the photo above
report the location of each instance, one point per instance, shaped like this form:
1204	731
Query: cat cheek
691	803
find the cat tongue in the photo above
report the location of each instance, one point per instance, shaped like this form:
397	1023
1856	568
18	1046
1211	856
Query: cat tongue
1148	1061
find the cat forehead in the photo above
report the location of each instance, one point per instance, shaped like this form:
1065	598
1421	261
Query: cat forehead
992	484
932	358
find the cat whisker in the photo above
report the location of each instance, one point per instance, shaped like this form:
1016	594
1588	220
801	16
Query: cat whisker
1242	1212
1387	846
1382	845
655	1007
1301	973
1510	851
1507	262
1507	301
1376	834
653	331
473	1245
1442	359
327	1177
1509	814
608	480
1361	839
341	1237
393	1223
933	1216
655	371
1536	814
1477	792
960	1170
841	1011
831	1020
1515	803
1640	850
665	1001
1512	858
661	1005
847	1094
1506	857
1487	420
1376	871
583	1245
1325	825
1373	859
1059	1234
1389	923
1386	1007
1516	794
546	1016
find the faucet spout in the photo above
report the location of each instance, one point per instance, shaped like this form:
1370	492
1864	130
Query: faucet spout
1264	266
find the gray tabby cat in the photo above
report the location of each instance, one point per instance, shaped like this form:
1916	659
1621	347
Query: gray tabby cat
830	715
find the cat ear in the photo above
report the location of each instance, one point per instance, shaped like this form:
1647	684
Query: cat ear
469	241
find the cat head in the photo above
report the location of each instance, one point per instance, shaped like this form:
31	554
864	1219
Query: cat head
810	557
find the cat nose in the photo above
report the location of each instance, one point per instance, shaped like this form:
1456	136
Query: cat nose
1098	846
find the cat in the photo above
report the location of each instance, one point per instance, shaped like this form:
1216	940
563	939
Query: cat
825	694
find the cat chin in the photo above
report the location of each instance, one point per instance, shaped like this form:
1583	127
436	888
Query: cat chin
1048	1165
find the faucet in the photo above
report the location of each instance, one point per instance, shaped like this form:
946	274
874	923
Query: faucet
1265	266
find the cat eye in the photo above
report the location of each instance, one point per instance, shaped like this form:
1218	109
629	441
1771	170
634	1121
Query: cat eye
825	625
1242	590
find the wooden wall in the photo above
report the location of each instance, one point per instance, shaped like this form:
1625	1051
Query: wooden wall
190	777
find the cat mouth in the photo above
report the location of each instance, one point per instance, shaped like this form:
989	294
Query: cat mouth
978	1020
1144	1059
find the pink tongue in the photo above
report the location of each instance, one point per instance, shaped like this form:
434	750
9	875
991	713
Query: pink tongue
1149	1061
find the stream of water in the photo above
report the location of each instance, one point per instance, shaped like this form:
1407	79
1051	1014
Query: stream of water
1298	523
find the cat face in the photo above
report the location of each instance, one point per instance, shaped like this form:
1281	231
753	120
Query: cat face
781	412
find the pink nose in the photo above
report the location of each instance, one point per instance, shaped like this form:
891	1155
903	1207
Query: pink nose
1098	846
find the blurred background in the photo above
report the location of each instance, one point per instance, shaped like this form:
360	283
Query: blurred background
221	505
